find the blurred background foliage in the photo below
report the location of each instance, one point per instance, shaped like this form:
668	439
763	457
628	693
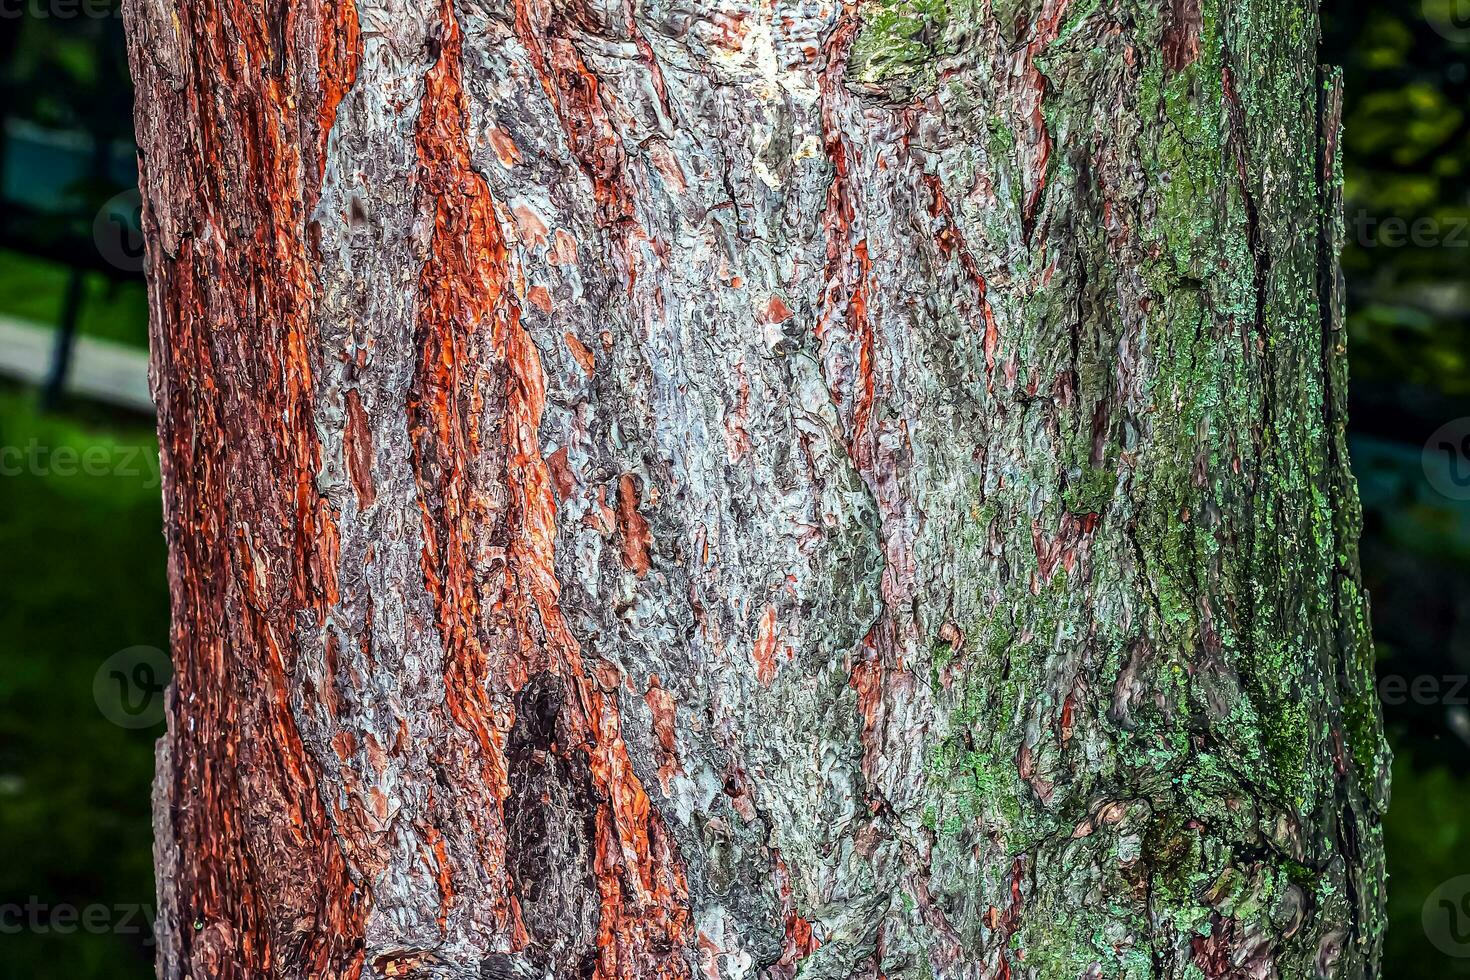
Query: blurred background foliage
82	562
1406	147
82	559
1407	151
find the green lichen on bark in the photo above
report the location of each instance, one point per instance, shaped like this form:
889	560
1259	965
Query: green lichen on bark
898	42
1221	606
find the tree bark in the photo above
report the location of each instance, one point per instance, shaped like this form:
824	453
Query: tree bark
848	490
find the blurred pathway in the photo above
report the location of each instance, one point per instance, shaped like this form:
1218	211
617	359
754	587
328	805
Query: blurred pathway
101	369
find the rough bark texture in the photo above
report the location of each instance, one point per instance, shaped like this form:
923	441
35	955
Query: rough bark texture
665	488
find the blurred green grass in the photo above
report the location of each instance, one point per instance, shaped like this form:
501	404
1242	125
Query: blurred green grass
33	289
1428	839
82	559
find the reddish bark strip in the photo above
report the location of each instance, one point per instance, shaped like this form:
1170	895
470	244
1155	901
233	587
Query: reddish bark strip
800	941
466	303
1183	21
632	526
1039	143
764	650
463	310
866	678
665	729
845	294
951	241
339	55
359	450
259	887
573	90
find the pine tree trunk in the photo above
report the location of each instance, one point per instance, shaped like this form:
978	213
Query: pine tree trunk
661	489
